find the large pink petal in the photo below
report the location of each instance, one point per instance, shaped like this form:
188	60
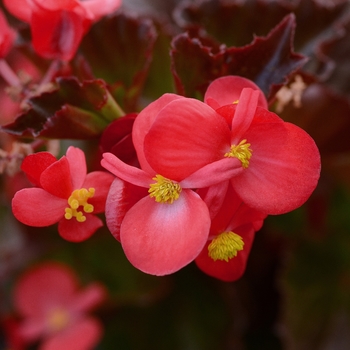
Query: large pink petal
143	123
235	267
82	335
77	166
186	135
44	287
121	197
284	168
226	90
34	164
35	207
161	238
101	182
125	171
21	9
75	231
56	179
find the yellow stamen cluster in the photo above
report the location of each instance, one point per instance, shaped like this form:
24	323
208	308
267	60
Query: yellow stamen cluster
242	152
57	319
225	246
79	198
164	190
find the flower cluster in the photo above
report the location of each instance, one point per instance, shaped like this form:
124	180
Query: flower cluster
210	172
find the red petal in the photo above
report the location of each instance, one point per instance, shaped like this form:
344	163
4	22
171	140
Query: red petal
35	207
75	231
34	164
226	90
284	168
186	135
81	335
121	197
21	9
101	182
161	238
56	179
44	287
235	267
88	298
100	8
143	123
77	166
126	172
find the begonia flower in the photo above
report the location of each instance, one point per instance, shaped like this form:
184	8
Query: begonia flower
58	26
64	193
280	162
54	308
165	228
230	239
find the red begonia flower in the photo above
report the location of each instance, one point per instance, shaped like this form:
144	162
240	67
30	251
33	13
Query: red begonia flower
7	36
230	240
58	26
280	162
165	229
65	193
54	308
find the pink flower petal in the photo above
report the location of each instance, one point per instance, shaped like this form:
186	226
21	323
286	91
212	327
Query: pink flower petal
35	207
89	298
101	182
21	9
56	179
126	172
84	334
44	287
121	197
100	8
143	123
235	267
284	168
186	135
161	238
77	166
34	164
226	90
75	231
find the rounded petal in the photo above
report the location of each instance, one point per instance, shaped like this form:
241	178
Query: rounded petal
21	9
77	166
43	287
56	179
235	267
101	182
35	207
121	197
75	231
82	335
186	135
283	171
89	298
143	123
161	238
226	90
34	164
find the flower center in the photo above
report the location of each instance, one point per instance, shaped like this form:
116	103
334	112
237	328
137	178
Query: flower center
225	246
57	319
164	190
242	152
79	198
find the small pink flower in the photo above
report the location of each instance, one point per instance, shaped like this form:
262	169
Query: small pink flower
54	309
65	193
58	26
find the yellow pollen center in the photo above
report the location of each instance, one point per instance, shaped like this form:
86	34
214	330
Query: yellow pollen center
225	246
242	152
58	319
79	198
164	190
